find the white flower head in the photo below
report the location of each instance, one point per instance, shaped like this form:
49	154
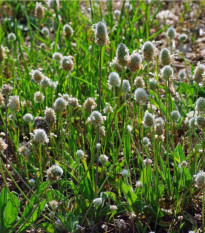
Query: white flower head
68	31
14	103
11	36
108	109
171	33
98	145
39	10
39	97
101	34
57	56
125	173
60	104
40	136
80	154
103	158
199	73
114	79
45	82
200	179
200	105
140	96
175	115
37	75
147	162
67	63
129	128
122	56
3	145
139	184
96	118
54	172
28	117
45	31
149	51
146	141
126	86
113	207
148	120
97	201
32	182
167	72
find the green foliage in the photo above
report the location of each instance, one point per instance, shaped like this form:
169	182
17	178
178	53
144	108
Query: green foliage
167	187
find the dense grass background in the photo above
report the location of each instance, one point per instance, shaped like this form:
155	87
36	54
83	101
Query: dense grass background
168	200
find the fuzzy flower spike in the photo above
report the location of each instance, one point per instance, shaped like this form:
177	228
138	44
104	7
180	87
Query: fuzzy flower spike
149	51
101	34
122	56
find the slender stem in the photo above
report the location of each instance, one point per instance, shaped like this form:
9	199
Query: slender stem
203	141
99	100
147	183
6	132
203	210
100	75
40	162
98	136
148	86
170	100
171	48
26	166
91	10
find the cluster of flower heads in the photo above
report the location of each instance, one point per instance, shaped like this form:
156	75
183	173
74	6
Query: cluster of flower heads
196	118
13	100
123	59
44	81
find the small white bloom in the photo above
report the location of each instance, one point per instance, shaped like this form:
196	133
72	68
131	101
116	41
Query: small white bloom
80	154
45	31
140	96
126	86
129	128
125	173
39	97
40	136
114	79
175	115
147	162
28	117
60	104
11	37
103	158
200	179
139	184
108	109
96	118
97	201
113	207
146	141
32	182
98	145
57	56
